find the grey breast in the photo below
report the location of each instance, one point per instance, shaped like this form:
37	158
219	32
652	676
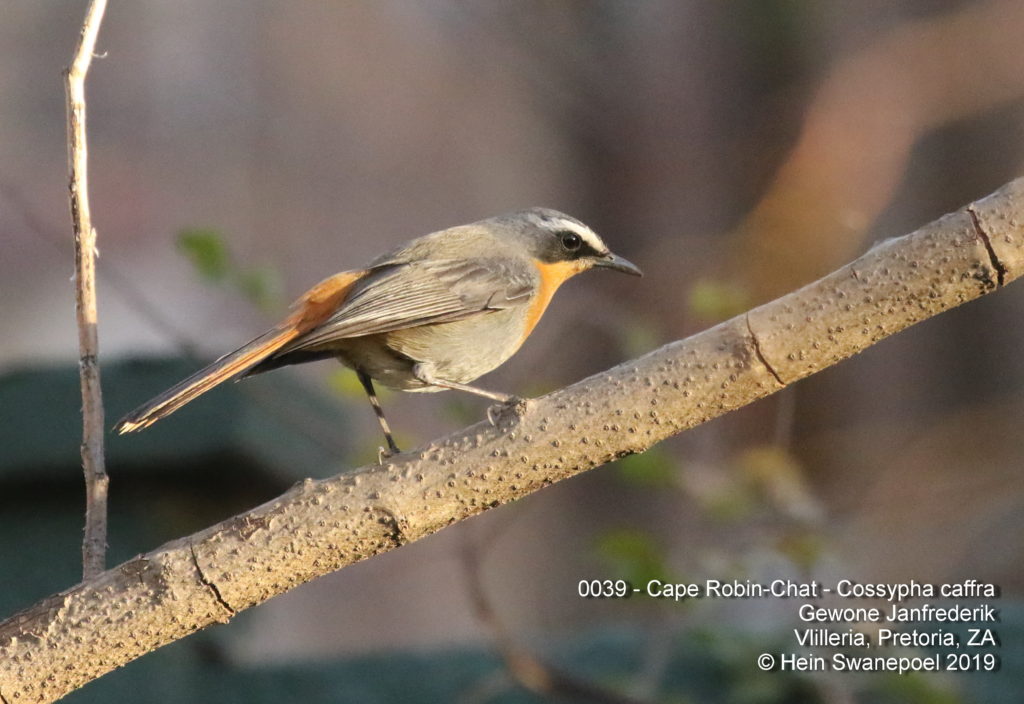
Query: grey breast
463	350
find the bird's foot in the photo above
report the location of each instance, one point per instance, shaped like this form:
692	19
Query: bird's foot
509	403
384	453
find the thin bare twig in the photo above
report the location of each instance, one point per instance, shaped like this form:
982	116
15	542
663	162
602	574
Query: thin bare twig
94	543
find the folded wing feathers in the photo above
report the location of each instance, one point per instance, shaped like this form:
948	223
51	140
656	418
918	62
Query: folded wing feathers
420	294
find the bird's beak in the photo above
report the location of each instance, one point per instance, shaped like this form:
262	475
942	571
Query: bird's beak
614	261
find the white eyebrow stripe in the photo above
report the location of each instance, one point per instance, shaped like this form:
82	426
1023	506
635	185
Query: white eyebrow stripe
585	233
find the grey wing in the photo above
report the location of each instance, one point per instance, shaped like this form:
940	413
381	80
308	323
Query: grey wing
405	295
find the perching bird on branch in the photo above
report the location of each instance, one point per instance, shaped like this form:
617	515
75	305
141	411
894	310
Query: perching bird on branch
434	314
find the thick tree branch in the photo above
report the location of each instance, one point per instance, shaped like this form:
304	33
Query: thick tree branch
94	542
319	526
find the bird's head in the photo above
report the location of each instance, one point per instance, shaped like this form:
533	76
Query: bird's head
552	237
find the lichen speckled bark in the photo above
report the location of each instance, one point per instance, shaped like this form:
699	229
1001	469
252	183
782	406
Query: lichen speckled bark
321	525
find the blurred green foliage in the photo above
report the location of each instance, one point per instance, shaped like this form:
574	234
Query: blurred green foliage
804	548
630	553
917	688
208	252
653	468
633	555
261	286
715	300
345	383
778	477
637	337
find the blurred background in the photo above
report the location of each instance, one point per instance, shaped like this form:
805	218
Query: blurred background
242	151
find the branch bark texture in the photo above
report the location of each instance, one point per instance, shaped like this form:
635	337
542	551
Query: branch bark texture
94	542
319	526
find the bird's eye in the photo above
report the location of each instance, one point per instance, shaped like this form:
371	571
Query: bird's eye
571	241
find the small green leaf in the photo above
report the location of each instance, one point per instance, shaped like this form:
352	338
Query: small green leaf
207	251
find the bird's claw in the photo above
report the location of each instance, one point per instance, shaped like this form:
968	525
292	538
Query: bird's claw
495	411
384	453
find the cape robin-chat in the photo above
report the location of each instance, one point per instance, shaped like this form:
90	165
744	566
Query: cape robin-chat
434	314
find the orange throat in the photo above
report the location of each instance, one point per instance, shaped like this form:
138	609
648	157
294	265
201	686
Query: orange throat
551	277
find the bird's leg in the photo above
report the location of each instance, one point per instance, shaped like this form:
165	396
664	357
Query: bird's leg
505	401
423	373
367	383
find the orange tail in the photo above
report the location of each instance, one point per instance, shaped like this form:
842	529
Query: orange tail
230	366
309	311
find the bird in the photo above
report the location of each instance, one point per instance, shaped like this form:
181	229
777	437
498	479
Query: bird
432	315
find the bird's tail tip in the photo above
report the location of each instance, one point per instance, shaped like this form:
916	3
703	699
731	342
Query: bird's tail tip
230	366
128	425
